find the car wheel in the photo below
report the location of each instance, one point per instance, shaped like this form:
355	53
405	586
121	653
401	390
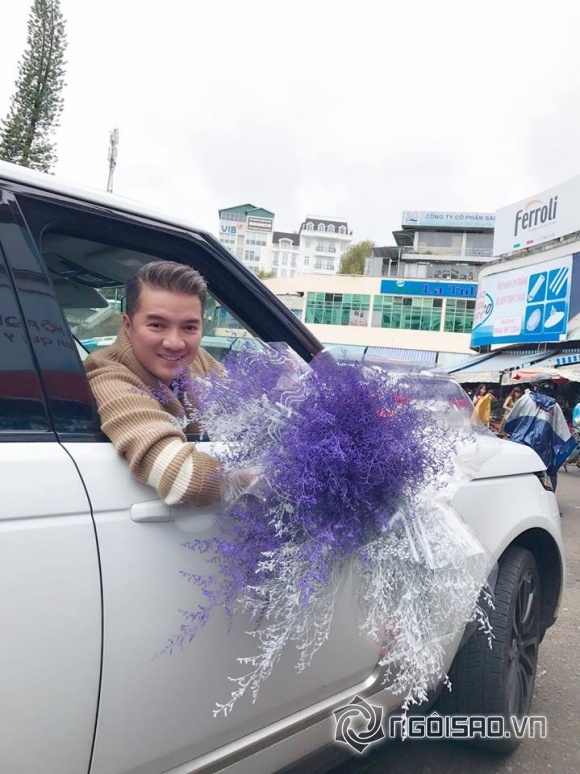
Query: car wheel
500	680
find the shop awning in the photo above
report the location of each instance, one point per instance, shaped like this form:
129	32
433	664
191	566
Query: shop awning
355	352
571	372
490	369
448	360
562	359
405	355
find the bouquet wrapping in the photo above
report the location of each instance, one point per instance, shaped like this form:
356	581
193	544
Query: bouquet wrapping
334	469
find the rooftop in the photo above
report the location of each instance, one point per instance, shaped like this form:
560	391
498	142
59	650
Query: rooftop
278	235
249	209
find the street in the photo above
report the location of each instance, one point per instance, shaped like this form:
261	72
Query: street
556	693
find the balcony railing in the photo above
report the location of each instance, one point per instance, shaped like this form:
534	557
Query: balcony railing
469	252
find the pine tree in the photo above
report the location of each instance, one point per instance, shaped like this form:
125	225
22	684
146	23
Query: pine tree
37	103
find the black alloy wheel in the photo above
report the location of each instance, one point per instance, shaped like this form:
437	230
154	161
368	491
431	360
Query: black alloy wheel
524	645
500	680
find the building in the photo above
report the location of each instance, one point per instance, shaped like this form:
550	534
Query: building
247	231
437	245
528	302
323	241
286	256
416	300
316	248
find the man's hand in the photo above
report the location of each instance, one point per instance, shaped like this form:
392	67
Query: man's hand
240	482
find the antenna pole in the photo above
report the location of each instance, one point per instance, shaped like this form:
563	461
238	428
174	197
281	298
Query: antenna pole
113	143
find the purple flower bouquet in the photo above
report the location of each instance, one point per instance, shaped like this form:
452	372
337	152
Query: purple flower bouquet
353	470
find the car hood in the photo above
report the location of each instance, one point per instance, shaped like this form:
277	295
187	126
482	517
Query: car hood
497	458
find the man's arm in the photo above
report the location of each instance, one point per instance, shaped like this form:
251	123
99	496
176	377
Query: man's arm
148	437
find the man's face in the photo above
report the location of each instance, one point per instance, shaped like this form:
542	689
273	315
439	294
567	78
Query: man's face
165	332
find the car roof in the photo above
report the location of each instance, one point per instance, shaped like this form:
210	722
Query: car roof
45	182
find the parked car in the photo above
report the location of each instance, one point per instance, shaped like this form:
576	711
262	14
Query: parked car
89	558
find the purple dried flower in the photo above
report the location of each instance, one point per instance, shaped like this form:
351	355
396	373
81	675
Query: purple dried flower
348	446
349	460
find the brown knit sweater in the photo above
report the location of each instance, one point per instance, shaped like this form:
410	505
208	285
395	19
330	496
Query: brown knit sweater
145	432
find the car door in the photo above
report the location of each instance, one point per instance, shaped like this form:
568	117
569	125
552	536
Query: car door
156	709
50	595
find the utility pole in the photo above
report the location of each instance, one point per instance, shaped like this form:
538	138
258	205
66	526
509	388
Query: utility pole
113	143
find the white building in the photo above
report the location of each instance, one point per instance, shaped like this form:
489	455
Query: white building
286	257
417	298
323	242
316	248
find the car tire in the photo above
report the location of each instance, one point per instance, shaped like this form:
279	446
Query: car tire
500	680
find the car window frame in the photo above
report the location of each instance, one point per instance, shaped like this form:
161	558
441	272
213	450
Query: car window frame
274	322
34	385
239	290
69	400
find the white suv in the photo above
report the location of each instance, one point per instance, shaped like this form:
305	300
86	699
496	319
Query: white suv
89	558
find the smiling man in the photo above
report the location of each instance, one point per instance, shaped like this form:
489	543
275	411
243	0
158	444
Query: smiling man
160	338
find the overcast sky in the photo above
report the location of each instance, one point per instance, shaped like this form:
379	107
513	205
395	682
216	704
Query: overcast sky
357	108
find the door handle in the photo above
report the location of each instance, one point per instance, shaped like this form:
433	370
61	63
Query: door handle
151	511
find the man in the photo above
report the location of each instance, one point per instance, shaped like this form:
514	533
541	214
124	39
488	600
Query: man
537	421
161	335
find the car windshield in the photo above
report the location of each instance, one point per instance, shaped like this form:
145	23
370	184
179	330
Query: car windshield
431	388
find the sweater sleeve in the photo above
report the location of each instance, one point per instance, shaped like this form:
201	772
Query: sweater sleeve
158	452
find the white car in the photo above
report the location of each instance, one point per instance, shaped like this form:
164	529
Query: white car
89	558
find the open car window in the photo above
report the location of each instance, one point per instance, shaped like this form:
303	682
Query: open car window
89	279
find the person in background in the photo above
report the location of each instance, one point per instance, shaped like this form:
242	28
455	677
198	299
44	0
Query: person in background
576	416
480	393
508	405
574	458
537	421
482	404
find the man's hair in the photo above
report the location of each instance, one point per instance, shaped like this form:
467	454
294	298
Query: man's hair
164	275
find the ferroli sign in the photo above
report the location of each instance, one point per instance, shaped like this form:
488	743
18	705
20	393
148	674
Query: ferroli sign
542	218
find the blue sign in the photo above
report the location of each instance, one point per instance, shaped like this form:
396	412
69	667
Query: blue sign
537	287
527	304
558	283
399	287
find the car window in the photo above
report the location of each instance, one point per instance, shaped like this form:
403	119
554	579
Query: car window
21	402
88	253
89	279
106	246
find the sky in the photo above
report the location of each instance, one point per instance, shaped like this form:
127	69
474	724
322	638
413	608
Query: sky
357	109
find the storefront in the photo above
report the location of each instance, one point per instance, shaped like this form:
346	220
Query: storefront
527	311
